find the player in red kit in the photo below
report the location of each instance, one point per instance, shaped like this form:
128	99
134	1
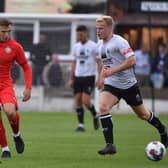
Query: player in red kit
10	52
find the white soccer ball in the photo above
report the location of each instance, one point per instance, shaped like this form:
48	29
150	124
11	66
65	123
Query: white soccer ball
155	151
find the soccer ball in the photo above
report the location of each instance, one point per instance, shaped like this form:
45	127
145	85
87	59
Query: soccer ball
155	150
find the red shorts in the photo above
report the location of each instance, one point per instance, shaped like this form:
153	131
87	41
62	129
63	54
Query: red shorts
7	95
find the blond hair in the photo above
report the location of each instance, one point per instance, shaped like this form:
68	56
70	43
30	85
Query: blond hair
107	19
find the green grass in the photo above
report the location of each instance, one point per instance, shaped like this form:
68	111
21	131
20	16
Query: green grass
52	143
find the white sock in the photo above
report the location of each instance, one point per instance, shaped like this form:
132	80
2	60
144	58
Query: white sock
6	148
16	135
81	125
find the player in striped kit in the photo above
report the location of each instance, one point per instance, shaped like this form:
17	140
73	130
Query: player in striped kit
118	81
82	75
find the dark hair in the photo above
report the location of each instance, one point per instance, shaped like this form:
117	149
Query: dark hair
5	22
81	28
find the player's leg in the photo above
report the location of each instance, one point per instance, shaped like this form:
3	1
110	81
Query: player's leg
106	102
79	111
153	120
13	117
78	87
10	110
88	88
3	140
86	99
134	99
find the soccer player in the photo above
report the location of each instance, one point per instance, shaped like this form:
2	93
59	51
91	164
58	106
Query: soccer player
82	75
11	51
118	81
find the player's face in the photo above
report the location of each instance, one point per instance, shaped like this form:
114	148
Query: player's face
103	31
5	33
82	36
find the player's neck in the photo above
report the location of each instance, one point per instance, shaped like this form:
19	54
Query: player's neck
108	38
84	41
4	41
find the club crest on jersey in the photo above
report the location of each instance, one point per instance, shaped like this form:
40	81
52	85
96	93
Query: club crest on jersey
8	50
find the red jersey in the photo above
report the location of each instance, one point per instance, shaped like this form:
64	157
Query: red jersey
11	51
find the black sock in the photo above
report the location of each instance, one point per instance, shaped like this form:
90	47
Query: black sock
80	114
153	120
93	110
107	126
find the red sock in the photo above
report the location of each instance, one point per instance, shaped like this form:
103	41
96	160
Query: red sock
14	122
3	140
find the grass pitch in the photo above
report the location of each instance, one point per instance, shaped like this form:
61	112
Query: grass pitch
51	142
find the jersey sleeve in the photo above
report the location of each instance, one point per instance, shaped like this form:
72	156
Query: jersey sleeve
74	52
20	55
22	61
125	48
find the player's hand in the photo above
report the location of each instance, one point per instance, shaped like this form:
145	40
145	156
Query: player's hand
26	95
70	83
107	71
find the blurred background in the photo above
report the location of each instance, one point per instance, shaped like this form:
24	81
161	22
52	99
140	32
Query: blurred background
46	29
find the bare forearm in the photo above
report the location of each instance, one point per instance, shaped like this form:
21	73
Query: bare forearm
99	67
72	71
128	63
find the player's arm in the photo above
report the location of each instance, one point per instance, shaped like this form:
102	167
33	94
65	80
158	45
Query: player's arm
22	61
28	80
100	78
128	63
71	73
99	82
99	66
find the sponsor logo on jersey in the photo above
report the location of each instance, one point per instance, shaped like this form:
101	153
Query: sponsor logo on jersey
107	61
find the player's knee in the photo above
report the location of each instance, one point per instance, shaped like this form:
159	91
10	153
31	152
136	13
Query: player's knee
9	112
103	108
86	102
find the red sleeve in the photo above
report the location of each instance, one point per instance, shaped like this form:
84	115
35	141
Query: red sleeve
20	55
22	61
27	74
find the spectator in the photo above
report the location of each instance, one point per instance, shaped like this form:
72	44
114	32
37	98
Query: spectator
166	71
52	74
159	67
40	56
142	67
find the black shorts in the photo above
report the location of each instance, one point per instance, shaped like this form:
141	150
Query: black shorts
131	95
84	84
